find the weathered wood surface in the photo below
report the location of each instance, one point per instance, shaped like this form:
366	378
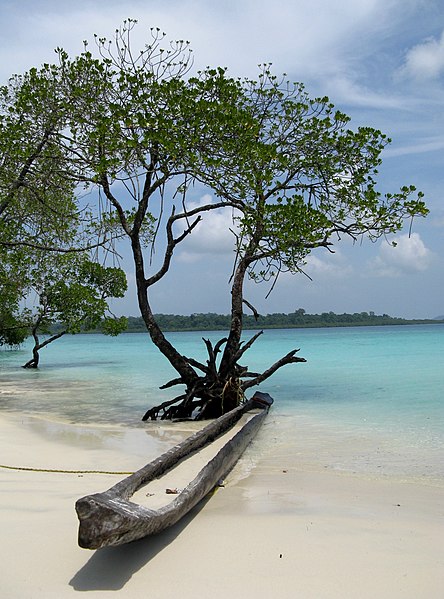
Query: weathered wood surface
110	518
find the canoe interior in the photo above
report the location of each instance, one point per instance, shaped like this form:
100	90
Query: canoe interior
154	494
110	518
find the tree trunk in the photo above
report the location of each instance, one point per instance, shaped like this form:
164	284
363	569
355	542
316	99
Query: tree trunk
34	361
187	373
220	388
232	347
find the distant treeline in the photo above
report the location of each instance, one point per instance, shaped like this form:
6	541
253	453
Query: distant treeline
298	319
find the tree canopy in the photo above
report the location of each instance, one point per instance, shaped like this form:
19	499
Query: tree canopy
137	130
66	289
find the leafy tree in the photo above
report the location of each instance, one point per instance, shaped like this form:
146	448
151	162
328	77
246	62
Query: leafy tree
37	206
40	214
64	290
299	179
139	131
71	293
140	134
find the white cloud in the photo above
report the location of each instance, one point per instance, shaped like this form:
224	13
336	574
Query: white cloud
331	266
410	255
425	60
323	266
312	39
343	89
421	146
213	235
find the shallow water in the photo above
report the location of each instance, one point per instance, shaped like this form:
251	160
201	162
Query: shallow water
369	399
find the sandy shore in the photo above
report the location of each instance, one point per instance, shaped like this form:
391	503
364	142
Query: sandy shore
279	528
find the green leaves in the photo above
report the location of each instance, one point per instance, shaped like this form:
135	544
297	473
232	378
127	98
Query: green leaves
75	291
300	178
114	326
71	292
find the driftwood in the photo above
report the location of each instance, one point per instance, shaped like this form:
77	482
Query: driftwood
109	518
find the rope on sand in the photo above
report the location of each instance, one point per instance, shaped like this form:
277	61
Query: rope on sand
62	471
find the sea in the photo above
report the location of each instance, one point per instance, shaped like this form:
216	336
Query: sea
368	400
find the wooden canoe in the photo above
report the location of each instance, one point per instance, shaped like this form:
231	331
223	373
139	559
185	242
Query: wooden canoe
110	518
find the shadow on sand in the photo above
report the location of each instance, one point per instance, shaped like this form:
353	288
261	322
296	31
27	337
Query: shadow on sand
110	568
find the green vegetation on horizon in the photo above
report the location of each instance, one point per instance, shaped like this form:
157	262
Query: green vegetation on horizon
298	319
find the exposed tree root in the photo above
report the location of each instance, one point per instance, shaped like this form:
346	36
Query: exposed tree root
210	395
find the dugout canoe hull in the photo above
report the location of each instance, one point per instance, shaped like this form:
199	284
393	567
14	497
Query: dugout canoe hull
110	518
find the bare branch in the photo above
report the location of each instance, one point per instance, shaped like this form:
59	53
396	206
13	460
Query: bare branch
212	355
246	346
106	188
20	181
49	248
171	244
204	208
196	364
290	358
153	412
51	339
172	383
253	309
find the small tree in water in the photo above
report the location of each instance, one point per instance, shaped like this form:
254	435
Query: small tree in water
72	295
293	175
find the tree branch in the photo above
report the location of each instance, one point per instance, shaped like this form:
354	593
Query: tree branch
107	190
212	355
50	340
246	346
290	358
253	309
49	248
196	364
171	244
172	383
153	412
19	182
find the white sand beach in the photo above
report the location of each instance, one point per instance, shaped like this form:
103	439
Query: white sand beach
281	527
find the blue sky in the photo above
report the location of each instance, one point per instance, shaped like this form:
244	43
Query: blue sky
380	61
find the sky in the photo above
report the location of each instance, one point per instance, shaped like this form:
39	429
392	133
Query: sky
380	61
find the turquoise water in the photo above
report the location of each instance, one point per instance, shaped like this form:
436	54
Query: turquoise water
383	383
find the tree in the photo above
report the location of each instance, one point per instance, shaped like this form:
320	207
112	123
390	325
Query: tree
71	293
37	208
63	290
41	216
40	199
298	179
137	126
140	132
